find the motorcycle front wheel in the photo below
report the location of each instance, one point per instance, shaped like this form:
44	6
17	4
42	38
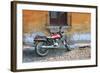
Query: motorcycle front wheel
67	46
41	51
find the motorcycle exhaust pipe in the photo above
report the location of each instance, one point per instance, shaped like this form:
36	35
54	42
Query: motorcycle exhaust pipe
51	46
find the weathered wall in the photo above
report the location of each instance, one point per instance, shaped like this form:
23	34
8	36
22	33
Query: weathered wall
37	20
81	22
34	21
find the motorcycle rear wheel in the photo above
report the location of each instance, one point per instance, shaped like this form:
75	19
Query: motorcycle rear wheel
41	51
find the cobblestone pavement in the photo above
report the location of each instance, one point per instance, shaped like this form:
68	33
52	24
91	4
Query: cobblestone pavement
29	55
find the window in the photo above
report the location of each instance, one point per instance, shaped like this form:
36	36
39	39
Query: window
58	18
53	14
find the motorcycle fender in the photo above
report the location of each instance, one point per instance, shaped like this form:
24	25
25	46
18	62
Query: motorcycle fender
40	38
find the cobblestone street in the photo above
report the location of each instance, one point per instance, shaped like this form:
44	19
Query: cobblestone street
29	55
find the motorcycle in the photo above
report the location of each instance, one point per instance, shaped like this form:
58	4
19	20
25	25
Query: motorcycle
44	43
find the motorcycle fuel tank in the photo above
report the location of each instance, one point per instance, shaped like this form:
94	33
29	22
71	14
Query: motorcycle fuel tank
55	36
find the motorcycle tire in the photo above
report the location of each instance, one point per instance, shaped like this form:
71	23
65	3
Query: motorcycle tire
67	48
41	51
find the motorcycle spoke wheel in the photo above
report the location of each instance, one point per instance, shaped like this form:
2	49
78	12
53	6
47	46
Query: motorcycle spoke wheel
41	51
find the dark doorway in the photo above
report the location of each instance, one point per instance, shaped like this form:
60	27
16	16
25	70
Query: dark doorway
58	18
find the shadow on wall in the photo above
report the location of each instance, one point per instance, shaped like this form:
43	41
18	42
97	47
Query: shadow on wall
28	38
77	37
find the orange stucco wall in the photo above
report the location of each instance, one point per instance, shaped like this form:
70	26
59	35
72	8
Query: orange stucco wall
37	21
34	20
81	22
